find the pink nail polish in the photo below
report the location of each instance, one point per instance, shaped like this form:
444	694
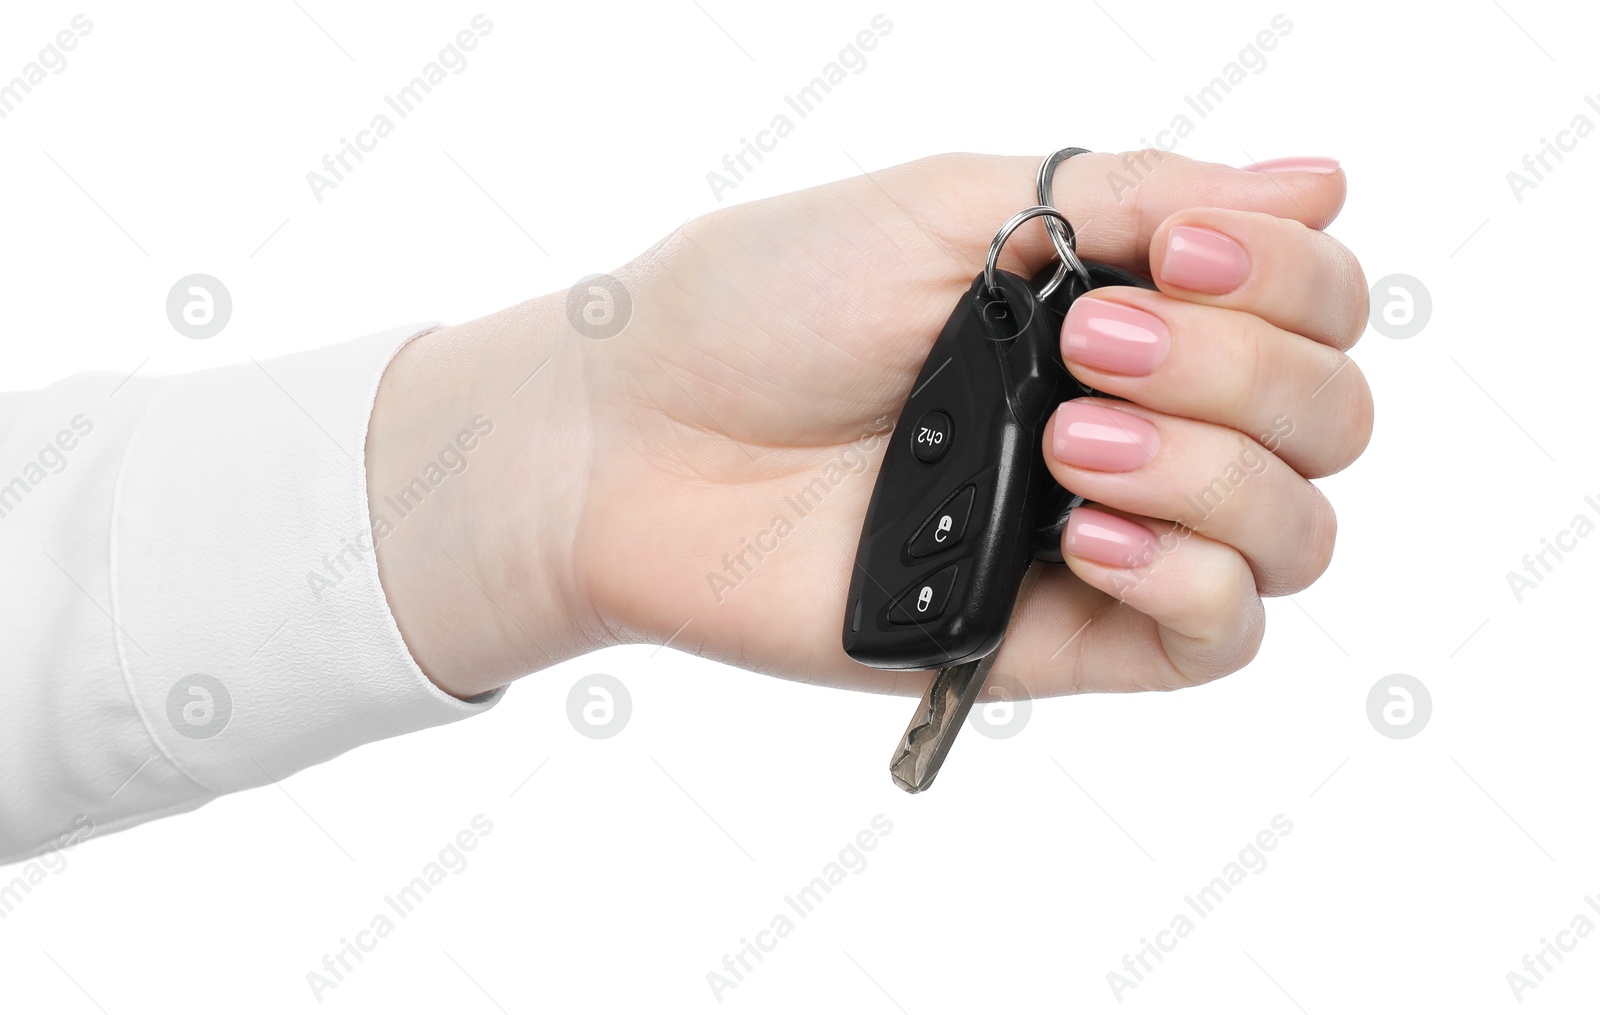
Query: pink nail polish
1113	336
1108	539
1087	435
1296	164
1204	261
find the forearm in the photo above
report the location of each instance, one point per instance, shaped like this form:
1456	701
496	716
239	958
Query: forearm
193	606
477	458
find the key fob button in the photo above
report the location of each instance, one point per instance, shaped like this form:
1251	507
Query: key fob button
931	438
946	527
925	600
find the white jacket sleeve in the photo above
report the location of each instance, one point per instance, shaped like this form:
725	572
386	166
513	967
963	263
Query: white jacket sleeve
189	594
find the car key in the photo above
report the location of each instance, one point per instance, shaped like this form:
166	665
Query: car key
963	501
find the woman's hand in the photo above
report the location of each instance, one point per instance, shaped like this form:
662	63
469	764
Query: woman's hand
701	477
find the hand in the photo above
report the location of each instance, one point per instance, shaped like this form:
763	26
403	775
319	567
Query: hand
702	476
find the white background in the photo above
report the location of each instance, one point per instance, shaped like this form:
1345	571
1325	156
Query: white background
1419	871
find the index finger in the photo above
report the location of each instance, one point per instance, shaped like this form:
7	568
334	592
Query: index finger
1115	202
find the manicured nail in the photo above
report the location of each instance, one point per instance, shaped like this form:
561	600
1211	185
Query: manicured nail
1108	539
1296	164
1088	435
1203	260
1113	336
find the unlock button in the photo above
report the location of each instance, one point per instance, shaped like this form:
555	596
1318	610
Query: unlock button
925	600
945	528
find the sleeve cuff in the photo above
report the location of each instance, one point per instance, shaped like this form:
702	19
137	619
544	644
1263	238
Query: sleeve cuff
254	635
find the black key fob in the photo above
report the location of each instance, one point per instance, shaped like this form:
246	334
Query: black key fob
963	501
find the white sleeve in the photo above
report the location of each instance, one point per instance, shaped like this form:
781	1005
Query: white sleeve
189	594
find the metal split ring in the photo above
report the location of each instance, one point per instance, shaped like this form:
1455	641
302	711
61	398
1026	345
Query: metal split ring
1062	236
1010	227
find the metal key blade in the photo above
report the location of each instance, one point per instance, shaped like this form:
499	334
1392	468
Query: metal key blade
937	720
944	708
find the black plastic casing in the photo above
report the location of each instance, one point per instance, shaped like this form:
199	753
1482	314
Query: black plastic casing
999	384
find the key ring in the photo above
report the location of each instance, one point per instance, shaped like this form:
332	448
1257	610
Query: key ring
1062	236
1010	227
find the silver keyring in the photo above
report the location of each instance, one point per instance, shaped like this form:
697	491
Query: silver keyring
1005	234
1062	235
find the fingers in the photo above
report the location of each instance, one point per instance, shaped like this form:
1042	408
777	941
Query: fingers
1299	279
1184	612
1209	478
1305	401
1116	202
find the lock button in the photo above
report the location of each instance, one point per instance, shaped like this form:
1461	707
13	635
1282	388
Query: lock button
925	600
945	527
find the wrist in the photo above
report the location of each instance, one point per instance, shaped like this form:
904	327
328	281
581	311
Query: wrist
477	465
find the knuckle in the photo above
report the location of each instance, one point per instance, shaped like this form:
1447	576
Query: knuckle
1230	632
1357	416
1319	526
1248	633
1360	303
1251	353
946	161
1350	421
1232	587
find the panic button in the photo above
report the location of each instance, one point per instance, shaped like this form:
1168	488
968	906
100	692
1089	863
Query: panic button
931	438
945	529
925	600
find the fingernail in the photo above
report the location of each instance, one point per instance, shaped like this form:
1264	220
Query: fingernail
1108	539
1113	336
1088	435
1296	164
1203	260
